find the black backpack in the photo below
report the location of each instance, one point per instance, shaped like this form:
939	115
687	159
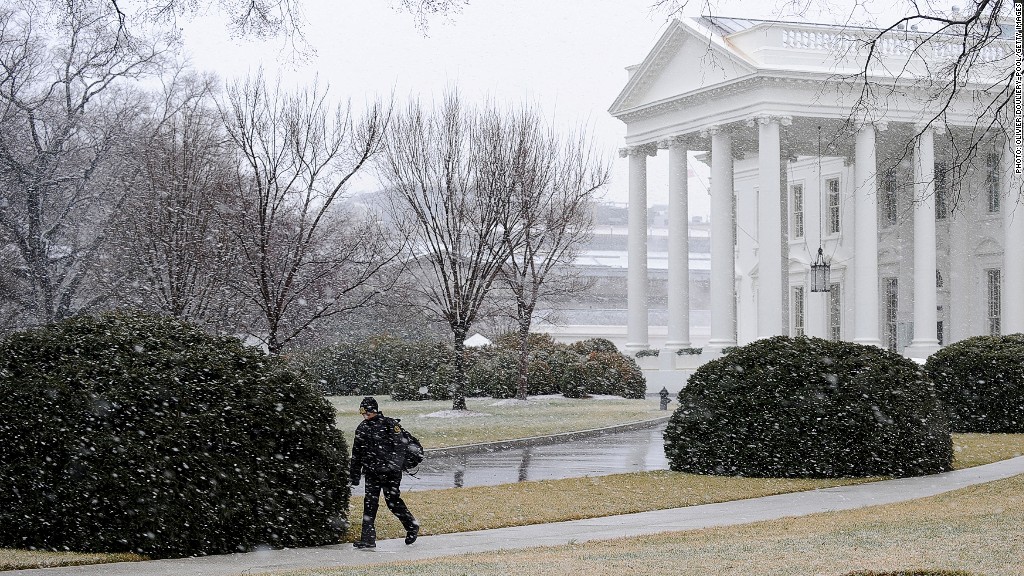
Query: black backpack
408	450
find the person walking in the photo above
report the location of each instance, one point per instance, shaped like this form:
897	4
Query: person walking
378	457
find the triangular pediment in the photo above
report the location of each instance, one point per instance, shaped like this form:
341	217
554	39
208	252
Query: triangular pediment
686	59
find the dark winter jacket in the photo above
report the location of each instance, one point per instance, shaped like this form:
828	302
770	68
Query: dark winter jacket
374	450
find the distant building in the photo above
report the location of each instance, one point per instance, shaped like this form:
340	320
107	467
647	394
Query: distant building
770	106
601	309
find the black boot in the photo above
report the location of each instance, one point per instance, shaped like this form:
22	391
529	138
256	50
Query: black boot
411	535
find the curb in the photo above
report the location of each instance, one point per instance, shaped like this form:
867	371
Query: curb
541	440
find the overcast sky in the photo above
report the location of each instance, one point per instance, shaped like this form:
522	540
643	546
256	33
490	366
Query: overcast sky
565	56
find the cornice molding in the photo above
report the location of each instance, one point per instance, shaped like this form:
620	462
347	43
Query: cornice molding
745	84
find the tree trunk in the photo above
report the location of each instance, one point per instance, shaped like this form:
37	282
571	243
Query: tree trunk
458	384
523	386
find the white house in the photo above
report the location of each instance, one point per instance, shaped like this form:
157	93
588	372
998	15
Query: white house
800	161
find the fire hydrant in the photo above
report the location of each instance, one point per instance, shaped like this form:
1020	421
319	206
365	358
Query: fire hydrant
664	398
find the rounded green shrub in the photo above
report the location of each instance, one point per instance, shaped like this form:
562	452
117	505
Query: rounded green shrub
585	347
440	386
534	341
807	407
614	374
139	433
346	369
407	370
981	380
495	372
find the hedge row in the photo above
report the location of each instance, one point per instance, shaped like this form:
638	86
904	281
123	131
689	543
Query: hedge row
422	370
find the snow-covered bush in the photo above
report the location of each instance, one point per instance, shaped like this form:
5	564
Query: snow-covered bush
345	369
138	433
614	374
576	370
981	380
585	347
494	372
534	341
375	367
807	407
563	371
440	386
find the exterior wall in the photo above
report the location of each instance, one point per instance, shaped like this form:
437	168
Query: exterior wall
968	242
837	247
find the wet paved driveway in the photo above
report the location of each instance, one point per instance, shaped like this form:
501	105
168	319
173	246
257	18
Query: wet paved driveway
632	451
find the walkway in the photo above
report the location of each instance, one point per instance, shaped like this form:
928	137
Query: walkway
694	517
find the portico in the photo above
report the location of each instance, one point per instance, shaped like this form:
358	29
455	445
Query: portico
799	161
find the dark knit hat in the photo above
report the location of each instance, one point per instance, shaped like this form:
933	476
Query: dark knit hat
368	404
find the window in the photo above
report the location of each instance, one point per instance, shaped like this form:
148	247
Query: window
835	313
832	187
994	300
938	279
992	181
798	311
797	220
941	190
892	303
938	332
889	205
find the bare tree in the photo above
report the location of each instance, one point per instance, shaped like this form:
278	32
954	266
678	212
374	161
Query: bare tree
451	170
263	19
304	257
174	246
64	111
558	178
423	10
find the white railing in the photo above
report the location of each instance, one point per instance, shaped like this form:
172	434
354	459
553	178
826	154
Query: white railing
892	44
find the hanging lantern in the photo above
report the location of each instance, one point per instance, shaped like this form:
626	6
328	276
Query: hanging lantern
820	269
820	274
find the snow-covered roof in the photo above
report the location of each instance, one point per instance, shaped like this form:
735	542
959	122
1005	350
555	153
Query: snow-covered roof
477	340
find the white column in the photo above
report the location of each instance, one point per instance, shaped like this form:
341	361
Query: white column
865	262
769	229
636	264
678	247
1012	320
723	257
925	342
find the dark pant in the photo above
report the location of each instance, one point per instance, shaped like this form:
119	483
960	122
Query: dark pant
389	484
